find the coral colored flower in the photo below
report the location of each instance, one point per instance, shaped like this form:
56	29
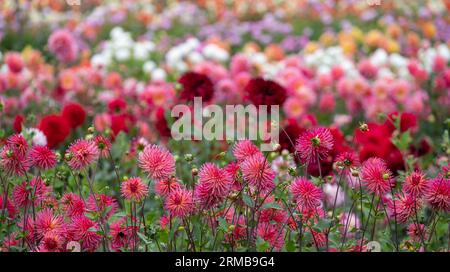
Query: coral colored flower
51	242
415	184
376	176
244	149
42	157
55	128
157	162
103	204
63	45
74	114
165	186
265	92
84	230
47	222
81	154
72	204
314	145
22	192
196	85
404	207
257	172
103	145
134	189
438	194
305	193
180	203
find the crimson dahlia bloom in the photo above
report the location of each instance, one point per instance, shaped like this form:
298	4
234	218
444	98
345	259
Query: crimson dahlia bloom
55	128
103	204
74	114
157	162
21	192
305	193
265	92
314	145
196	85
376	176
134	189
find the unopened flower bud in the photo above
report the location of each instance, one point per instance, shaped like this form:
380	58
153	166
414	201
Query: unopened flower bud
188	157
231	227
91	130
276	147
194	171
68	156
181	228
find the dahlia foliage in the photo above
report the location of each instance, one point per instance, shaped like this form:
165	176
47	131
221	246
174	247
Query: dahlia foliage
88	161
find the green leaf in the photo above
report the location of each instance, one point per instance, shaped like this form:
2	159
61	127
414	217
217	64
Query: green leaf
248	200
262	245
271	205
144	238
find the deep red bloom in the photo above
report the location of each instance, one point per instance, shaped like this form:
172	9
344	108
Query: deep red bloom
161	123
9	206
18	144
376	176
117	105
196	85
74	114
42	157
51	242
306	194
17	125
417	232
438	194
119	122
12	162
55	128
121	235
407	121
265	92
289	134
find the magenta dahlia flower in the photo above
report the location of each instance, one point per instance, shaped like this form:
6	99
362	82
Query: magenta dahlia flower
157	162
